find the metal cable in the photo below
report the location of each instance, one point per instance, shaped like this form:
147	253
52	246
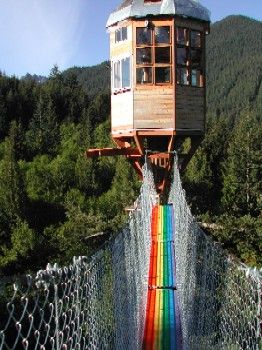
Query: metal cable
100	303
219	298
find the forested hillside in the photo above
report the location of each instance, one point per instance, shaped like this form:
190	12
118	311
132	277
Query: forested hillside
234	70
224	179
94	79
52	199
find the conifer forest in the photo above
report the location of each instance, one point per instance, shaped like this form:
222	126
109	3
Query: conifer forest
56	204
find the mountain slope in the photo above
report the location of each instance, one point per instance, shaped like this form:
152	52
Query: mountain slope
94	79
234	56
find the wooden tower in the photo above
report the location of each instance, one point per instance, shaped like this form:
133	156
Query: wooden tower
158	88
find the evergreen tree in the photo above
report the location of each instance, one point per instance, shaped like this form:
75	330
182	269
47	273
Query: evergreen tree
198	183
12	192
3	118
43	133
242	169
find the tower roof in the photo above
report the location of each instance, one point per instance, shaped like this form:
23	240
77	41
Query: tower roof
139	9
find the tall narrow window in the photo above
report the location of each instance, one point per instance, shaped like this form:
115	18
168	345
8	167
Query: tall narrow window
117	75
121	74
153	55
182	36
189	57
125	72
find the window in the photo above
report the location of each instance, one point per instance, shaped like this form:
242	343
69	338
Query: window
143	36
148	1
195	38
121	34
144	75
153	55
189	57
121	74
182	36
144	55
125	65
182	76
196	79
117	75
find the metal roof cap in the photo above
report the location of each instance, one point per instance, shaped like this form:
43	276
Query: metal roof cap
140	9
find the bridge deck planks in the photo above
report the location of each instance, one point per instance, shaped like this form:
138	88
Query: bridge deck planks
160	327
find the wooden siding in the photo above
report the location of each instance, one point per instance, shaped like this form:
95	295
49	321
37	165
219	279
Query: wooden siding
122	111
154	108
190	108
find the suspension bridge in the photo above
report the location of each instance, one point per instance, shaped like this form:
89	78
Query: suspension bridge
161	283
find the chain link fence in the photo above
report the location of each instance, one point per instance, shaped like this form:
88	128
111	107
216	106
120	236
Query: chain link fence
219	299
92	304
100	303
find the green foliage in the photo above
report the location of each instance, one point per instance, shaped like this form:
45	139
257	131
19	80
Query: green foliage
71	238
12	191
23	241
242	168
43	130
53	199
94	79
50	194
234	68
121	195
223	180
242	237
198	183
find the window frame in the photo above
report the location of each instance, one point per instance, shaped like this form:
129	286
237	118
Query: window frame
189	65
153	47
120	30
151	1
121	88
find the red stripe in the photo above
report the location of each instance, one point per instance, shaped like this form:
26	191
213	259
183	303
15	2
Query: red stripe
151	299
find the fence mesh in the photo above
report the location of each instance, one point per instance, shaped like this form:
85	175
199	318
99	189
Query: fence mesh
92	304
99	303
219	299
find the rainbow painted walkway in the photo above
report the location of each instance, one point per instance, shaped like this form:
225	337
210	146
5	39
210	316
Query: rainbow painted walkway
162	319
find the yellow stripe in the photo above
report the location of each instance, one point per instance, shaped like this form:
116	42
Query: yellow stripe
158	280
160	223
162	248
156	321
161	310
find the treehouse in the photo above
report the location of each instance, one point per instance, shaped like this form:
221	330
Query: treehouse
158	88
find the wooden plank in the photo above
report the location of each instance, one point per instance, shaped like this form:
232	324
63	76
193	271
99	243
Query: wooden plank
168	98
121	128
154	107
190	108
189	126
153	92
152	124
190	114
158	120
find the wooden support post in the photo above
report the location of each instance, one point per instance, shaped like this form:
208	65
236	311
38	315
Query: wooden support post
138	168
171	143
139	143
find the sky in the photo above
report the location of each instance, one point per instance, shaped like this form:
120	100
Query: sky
37	34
